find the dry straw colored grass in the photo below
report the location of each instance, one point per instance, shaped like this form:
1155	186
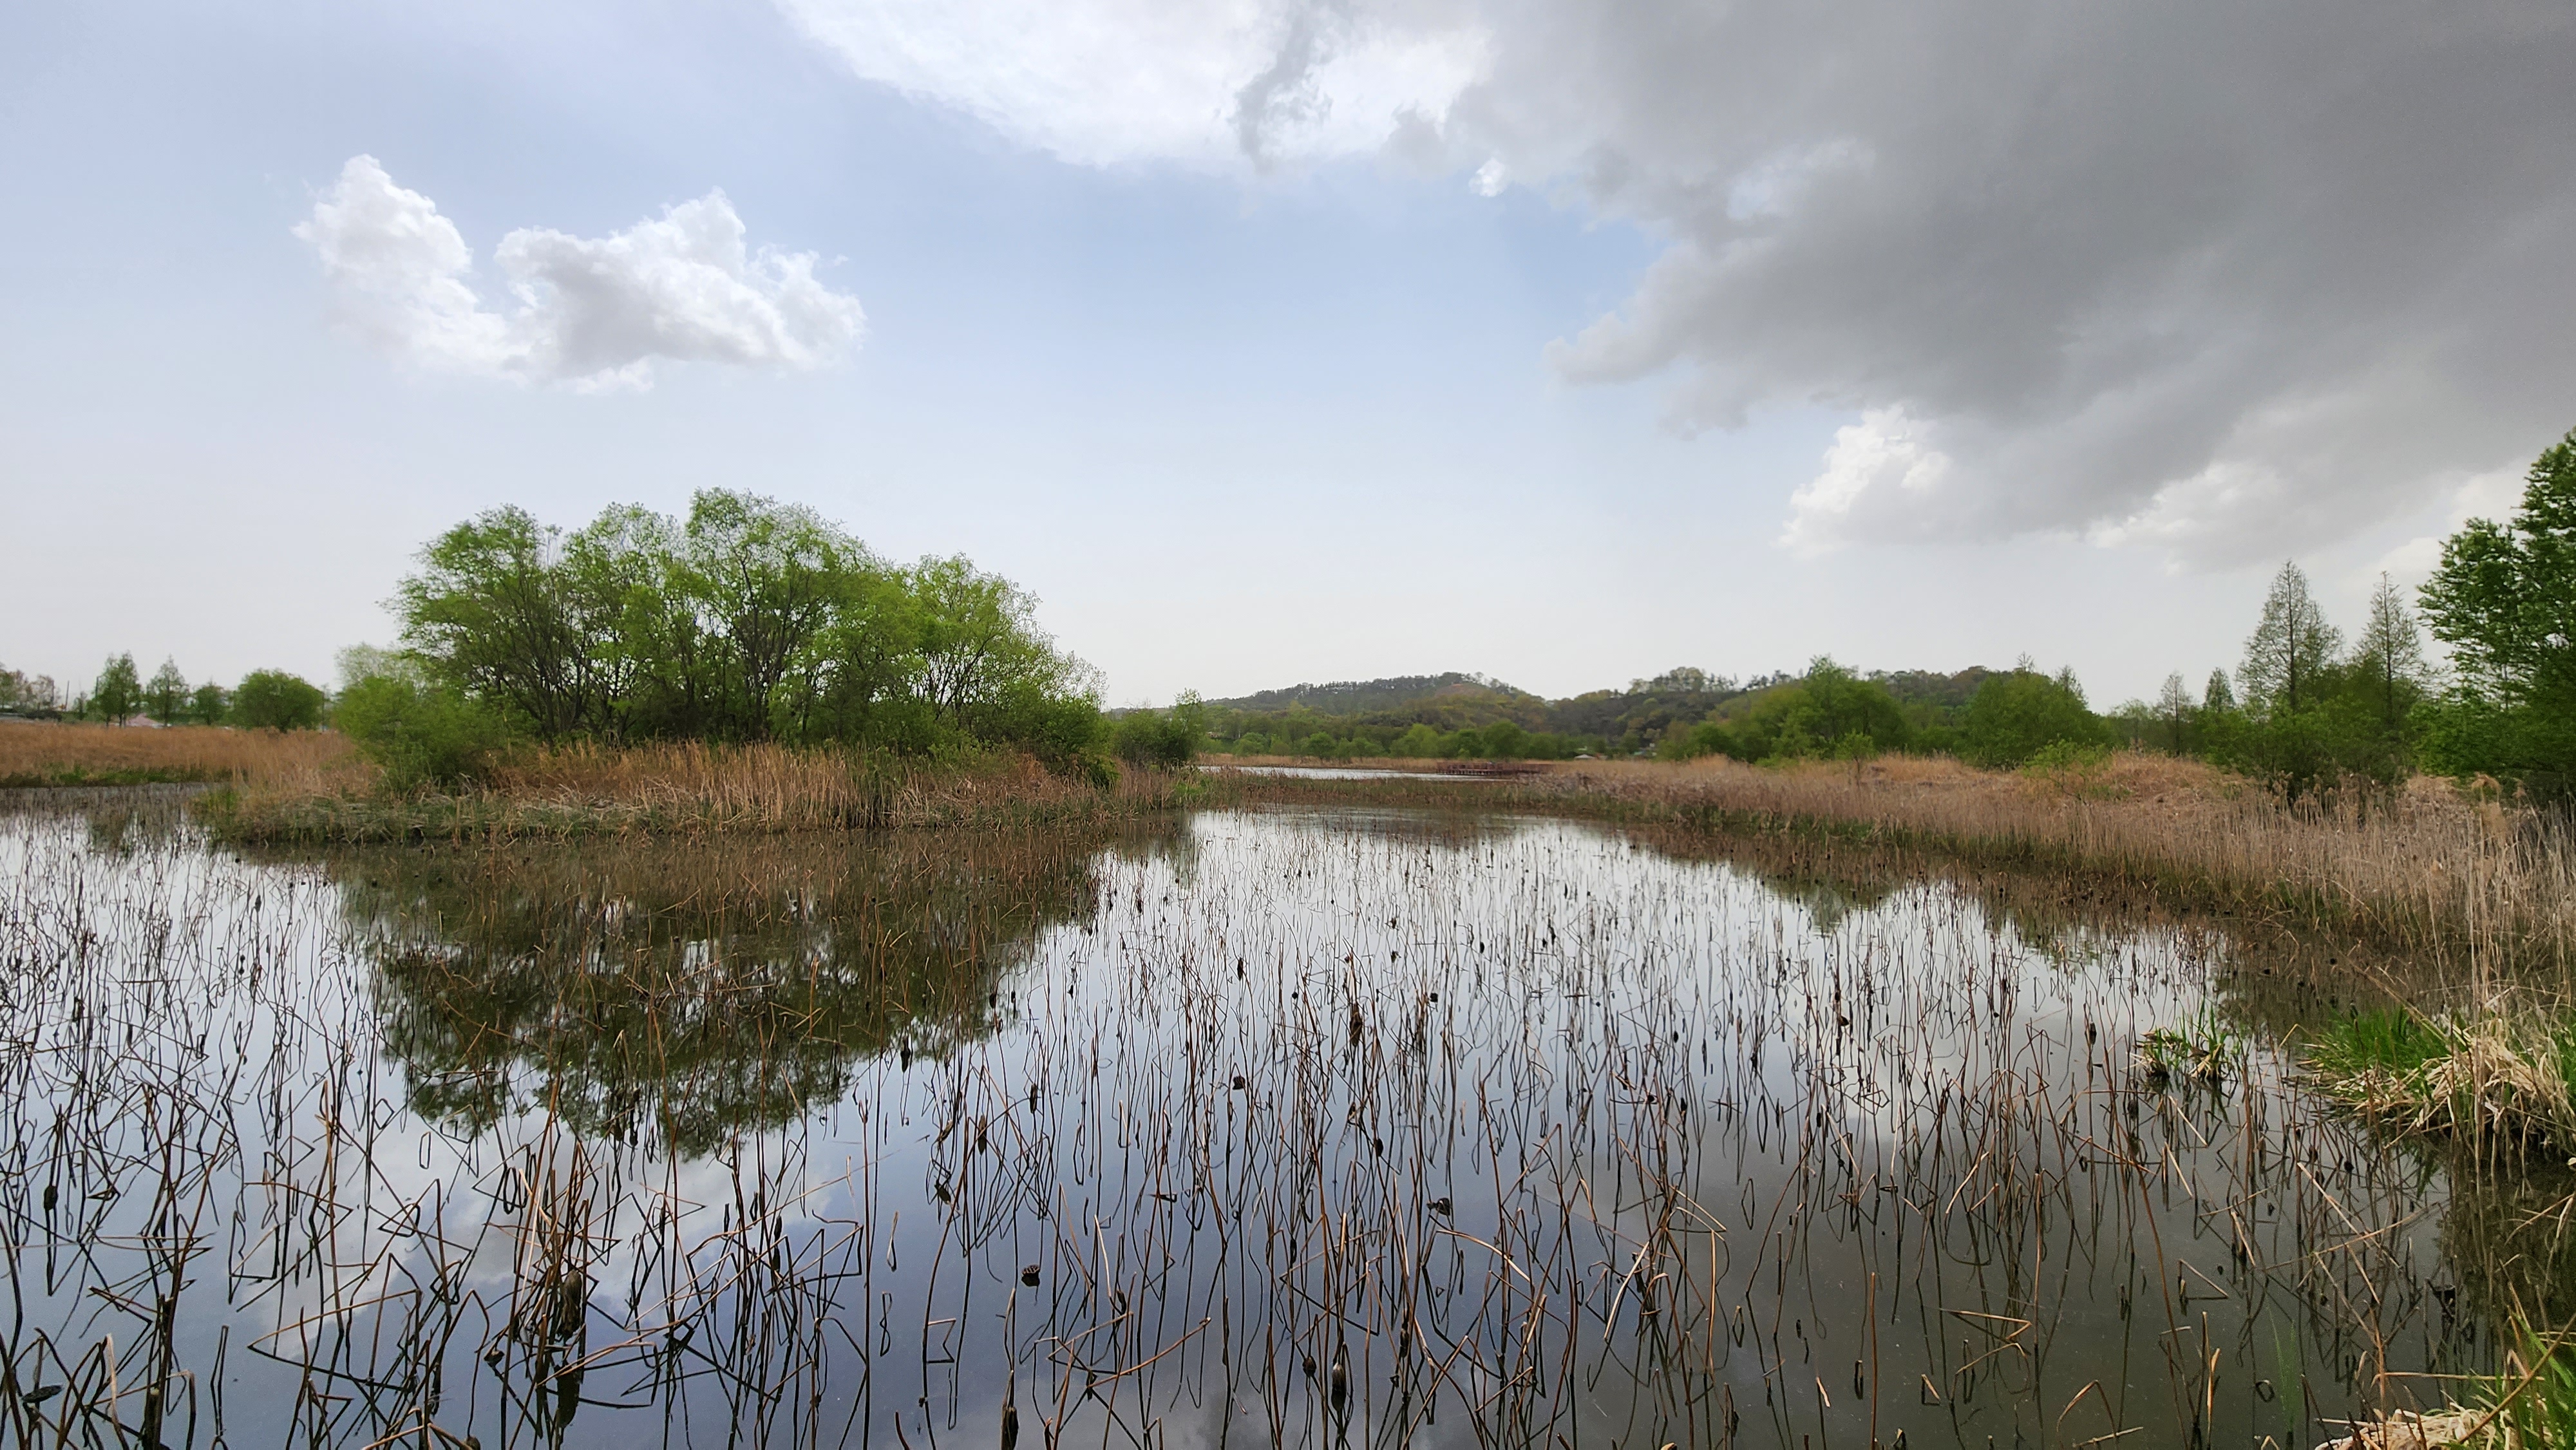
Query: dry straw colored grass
2425	867
2424	870
46	753
689	787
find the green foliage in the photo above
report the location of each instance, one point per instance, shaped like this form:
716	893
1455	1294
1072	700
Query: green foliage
2062	759
2465	733
1419	741
118	692
165	695
2292	645
209	704
2016	716
2504	600
276	700
1828	712
747	620
421	732
1168	738
2390	1040
2299	751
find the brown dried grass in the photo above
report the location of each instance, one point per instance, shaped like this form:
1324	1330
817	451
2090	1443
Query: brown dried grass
49	753
688	788
2428	871
2426	865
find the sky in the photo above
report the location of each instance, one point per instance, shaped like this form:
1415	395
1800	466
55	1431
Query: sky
1269	341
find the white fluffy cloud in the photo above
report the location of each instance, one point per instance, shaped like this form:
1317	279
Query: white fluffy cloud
1104	81
592	312
2216	279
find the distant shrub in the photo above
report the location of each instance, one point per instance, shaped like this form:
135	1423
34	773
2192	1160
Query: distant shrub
421	734
276	700
2013	717
1167	738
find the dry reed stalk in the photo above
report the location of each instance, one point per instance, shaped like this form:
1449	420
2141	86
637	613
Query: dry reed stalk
691	787
37	753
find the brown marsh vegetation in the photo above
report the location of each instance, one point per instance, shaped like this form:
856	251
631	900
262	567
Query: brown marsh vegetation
37	753
2428	870
691	788
1335	1127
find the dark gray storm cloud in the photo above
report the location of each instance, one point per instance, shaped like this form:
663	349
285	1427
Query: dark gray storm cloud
2222	276
2219	275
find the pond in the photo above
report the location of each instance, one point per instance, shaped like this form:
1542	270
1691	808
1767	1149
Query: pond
1270	1127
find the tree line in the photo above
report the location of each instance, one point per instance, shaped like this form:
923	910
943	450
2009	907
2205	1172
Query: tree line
751	620
2302	709
262	700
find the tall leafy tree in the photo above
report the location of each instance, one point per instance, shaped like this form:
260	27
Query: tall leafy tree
165	695
2014	716
490	614
2504	600
2291	649
765	579
749	619
277	700
118	692
2217	697
2173	711
2388	658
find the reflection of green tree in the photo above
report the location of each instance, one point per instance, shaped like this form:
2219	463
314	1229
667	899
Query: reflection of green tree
695	989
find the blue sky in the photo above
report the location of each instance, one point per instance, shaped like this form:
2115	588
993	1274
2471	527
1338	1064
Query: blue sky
1316	408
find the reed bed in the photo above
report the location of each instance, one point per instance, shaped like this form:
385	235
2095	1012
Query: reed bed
35	754
1344	1128
2426	870
695	788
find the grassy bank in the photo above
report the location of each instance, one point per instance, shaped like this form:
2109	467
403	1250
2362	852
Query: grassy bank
38	754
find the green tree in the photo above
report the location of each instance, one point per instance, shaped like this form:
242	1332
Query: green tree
2291	647
747	620
277	700
1419	741
208	704
2388	660
422	732
2014	716
165	695
118	692
2173	712
2216	697
1502	740
1813	716
491	615
2504	600
1167	738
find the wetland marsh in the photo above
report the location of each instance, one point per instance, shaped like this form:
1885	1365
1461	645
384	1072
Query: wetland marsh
1267	1126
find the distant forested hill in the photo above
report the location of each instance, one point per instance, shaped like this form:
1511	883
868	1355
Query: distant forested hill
1360	697
1373	716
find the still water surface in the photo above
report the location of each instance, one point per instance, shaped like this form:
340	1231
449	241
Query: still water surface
1274	1127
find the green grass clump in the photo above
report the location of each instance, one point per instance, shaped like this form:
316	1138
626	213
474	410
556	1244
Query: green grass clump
2200	1050
2388	1040
2500	1075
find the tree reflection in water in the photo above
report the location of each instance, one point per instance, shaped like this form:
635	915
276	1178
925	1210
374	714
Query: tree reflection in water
686	991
